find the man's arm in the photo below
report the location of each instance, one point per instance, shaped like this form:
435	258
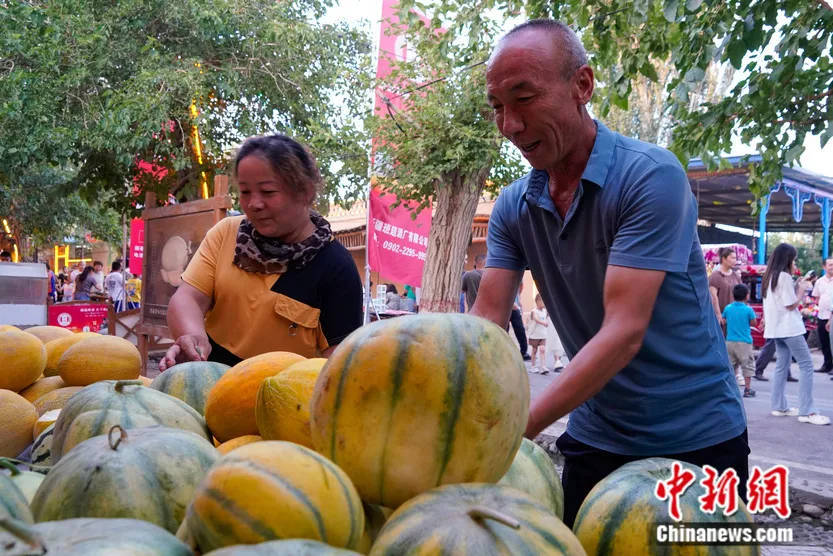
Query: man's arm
629	298
496	295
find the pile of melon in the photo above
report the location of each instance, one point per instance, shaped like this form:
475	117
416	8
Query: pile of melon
408	439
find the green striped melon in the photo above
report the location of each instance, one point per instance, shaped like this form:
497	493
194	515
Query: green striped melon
290	547
532	472
134	401
404	405
26	481
620	513
13	502
42	448
272	490
86	537
190	382
146	473
474	518
98	421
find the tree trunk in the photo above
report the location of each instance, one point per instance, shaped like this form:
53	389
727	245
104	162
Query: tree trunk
455	205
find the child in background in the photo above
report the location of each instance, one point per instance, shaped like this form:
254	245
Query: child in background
537	335
739	318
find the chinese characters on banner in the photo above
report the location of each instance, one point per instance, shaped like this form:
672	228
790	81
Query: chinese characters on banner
396	243
766	490
86	317
137	245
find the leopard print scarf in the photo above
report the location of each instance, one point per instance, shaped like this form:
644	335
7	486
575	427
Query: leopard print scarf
267	255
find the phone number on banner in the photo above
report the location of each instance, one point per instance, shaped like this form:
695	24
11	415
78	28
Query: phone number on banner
406	251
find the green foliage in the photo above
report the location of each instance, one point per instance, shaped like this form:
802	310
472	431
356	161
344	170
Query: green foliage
443	129
96	86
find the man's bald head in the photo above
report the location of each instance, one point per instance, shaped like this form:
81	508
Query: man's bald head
565	41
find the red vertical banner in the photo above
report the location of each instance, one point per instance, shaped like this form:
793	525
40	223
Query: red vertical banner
137	245
397	243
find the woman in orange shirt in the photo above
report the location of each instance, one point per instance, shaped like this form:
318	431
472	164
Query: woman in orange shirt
272	280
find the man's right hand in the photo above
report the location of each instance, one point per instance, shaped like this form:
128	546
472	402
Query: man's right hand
188	347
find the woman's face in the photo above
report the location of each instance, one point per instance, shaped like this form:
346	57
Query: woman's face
270	205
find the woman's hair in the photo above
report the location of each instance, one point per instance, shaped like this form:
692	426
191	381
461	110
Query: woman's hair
83	275
780	261
289	159
724	252
391	288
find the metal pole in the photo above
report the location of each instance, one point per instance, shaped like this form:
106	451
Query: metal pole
825	224
762	229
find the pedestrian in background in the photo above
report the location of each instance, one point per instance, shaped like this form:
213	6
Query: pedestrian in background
516	319
785	325
823	292
739	317
471	280
537	335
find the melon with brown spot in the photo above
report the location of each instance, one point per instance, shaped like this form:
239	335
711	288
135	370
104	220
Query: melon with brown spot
23	358
620	514
128	399
230	404
406	404
475	518
274	490
146	473
99	358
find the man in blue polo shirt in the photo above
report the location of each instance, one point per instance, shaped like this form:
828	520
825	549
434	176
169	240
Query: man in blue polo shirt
608	227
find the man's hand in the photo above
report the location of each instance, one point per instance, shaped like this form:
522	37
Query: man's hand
629	298
188	347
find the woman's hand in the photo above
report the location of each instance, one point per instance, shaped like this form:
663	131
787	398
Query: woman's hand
188	347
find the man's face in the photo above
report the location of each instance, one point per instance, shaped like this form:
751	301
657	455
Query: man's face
97	267
828	267
535	107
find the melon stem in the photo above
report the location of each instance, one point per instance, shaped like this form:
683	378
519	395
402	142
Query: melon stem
120	384
24	532
10	466
122	436
482	512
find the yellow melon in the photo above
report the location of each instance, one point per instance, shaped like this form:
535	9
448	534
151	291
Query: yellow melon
48	333
56	399
55	350
6	327
23	358
145	380
282	409
42	386
17	416
44	421
99	358
230	445
230	404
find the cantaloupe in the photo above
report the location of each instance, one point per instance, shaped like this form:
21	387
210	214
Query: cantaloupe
41	387
17	417
99	358
55	350
56	399
230	405
23	359
282	408
230	445
48	333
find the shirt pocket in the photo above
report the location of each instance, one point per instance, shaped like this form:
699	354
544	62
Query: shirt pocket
302	321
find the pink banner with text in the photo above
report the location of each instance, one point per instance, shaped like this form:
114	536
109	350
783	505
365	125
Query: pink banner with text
137	245
397	243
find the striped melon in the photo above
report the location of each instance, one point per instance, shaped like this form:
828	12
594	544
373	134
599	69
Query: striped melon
56	399
533	473
17	417
273	490
620	513
23	357
291	547
98	421
99	358
134	401
26	481
282	407
48	333
42	448
43	386
12	502
374	519
55	350
475	518
230	445
404	405
87	537
190	382
230	405
147	473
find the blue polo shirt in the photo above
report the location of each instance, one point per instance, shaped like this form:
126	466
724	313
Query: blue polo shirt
633	208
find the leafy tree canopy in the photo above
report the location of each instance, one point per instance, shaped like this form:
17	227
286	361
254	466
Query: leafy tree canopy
91	88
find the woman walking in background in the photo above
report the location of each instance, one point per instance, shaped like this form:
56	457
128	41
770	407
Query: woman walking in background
786	327
537	334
